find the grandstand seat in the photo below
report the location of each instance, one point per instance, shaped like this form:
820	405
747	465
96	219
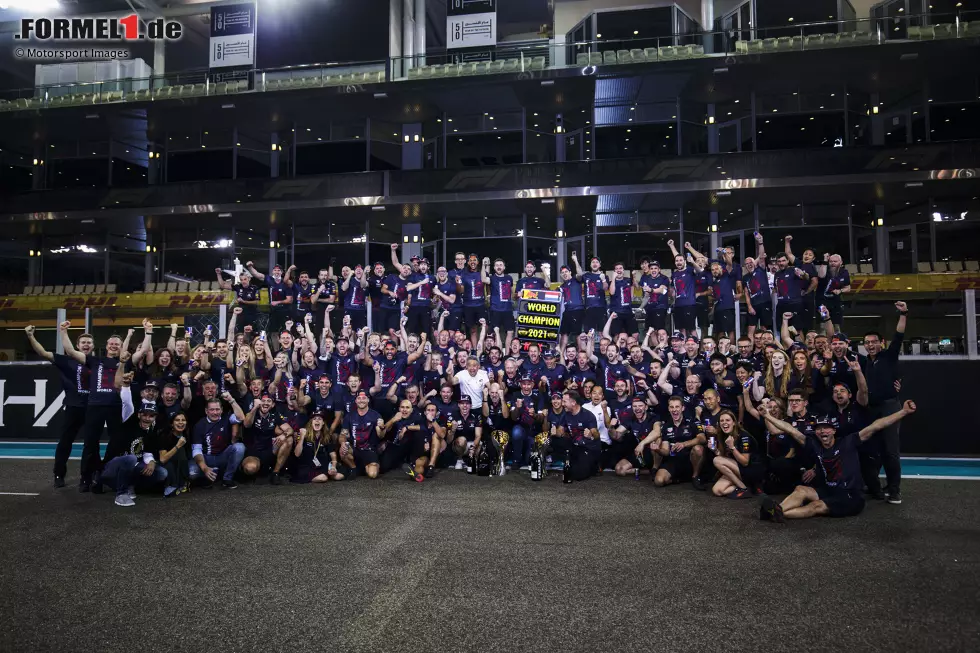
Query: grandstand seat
940	266
20	104
427	71
651	54
27	290
69	290
414	73
609	57
194	286
697	50
110	287
595	58
89	289
512	65
956	266
945	30
784	43
5	105
48	290
866	268
58	101
58	290
199	89
183	287
151	287
667	52
970	29
971	266
537	63
754	46
219	89
865	38
495	67
624	56
683	51
916	32
112	96
582	59
741	47
99	288
163	92
811	41
924	267
851	268
171	287
769	44
638	55
471	68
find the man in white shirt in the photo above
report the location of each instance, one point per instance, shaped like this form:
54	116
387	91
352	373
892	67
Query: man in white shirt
472	381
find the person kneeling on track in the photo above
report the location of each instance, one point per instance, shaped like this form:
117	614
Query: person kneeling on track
584	446
839	494
427	443
268	440
626	454
130	461
315	452
215	444
680	448
736	459
466	432
361	432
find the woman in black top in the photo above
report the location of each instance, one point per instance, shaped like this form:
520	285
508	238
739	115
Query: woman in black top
171	450
316	453
736	459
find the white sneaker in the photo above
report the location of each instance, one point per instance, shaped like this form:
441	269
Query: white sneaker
124	500
525	468
460	464
131	491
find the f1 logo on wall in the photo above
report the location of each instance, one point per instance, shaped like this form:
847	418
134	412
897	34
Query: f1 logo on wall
32	410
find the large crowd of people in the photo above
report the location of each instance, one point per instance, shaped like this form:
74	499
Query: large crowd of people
397	368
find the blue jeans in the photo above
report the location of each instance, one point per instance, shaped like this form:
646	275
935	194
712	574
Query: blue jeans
123	471
520	446
229	460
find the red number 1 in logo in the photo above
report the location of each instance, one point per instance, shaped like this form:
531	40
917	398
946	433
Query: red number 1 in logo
132	27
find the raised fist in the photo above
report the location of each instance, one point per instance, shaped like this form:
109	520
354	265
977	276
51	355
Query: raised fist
788	238
237	310
394	247
787	317
901	306
909	406
670	243
217	270
483	321
29	329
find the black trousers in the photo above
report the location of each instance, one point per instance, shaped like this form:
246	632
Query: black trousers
888	444
783	475
703	313
395	454
74	421
584	463
95	418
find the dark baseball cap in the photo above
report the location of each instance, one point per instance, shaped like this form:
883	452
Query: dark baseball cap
657	263
527	377
840	336
151	384
826	420
677	335
548	353
465	399
148	407
416	258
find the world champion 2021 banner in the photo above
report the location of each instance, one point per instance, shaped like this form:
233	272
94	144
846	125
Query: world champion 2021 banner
539	317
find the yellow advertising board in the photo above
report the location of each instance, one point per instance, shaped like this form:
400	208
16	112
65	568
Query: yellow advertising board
177	301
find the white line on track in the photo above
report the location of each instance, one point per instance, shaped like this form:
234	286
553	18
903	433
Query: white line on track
19	494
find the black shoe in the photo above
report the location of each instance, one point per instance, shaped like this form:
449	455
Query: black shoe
770	510
894	498
229	485
59	481
84	485
698	485
879	494
430	471
97	487
274	479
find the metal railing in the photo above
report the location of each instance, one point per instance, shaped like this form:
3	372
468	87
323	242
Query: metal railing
505	58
